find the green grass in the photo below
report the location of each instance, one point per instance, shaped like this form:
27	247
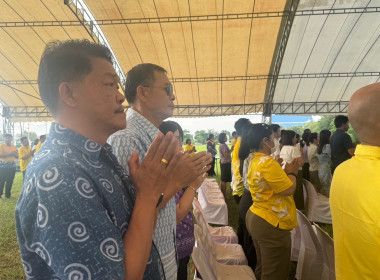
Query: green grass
10	261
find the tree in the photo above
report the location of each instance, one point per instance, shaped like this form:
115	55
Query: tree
200	136
187	135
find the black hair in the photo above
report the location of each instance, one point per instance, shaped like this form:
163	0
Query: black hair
66	61
210	136
313	136
240	125
172	126
305	138
287	137
187	140
42	136
324	138
340	120
274	127
35	142
252	138
140	75
23	138
221	138
233	133
7	135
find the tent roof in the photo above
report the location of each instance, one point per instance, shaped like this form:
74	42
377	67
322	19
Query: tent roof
223	57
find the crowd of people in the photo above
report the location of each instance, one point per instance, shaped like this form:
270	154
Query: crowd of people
9	154
109	194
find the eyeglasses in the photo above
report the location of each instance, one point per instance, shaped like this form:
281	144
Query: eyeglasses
168	89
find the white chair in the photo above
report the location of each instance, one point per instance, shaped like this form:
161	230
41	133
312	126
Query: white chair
296	243
310	259
225	234
202	265
318	205
214	208
211	267
231	254
327	244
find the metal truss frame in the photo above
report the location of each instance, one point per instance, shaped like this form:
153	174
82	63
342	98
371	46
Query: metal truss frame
241	78
93	29
277	61
296	108
216	17
34	112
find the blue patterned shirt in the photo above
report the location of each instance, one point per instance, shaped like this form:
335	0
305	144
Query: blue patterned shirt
138	136
74	209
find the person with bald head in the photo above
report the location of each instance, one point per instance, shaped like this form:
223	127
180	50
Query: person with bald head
355	193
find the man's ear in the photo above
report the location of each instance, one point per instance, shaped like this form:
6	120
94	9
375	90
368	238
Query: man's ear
141	94
66	94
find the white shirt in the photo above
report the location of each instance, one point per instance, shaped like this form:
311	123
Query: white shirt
312	157
288	153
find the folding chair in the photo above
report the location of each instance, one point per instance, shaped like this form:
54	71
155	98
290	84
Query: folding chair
310	259
327	245
224	235
318	205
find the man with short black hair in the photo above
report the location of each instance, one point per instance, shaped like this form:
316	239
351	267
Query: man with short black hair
40	142
151	97
341	144
78	213
8	155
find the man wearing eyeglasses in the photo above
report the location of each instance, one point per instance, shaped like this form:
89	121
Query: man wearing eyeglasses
150	95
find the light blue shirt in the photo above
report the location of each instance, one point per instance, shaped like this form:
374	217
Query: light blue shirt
74	209
138	136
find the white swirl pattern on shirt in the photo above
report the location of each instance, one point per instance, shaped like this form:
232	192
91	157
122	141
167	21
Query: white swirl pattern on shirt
49	178
84	188
42	216
77	271
77	232
110	249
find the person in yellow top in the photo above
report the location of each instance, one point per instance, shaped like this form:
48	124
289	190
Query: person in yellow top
238	183
8	155
42	140
273	213
190	149
234	140
25	154
355	193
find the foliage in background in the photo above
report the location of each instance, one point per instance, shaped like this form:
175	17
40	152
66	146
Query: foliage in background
326	122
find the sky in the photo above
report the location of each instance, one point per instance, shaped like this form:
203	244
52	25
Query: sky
194	124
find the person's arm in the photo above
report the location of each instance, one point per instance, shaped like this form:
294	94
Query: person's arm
186	201
186	171
11	154
23	155
281	181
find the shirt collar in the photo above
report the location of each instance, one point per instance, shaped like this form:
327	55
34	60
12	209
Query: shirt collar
70	137
143	123
367	150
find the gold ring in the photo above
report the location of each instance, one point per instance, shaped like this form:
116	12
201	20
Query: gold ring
164	161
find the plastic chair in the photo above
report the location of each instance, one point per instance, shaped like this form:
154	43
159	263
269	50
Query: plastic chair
310	259
225	234
327	244
212	267
231	254
318	205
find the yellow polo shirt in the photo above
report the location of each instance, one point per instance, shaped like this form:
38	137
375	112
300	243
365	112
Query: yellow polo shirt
22	151
266	179
238	187
6	150
355	210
